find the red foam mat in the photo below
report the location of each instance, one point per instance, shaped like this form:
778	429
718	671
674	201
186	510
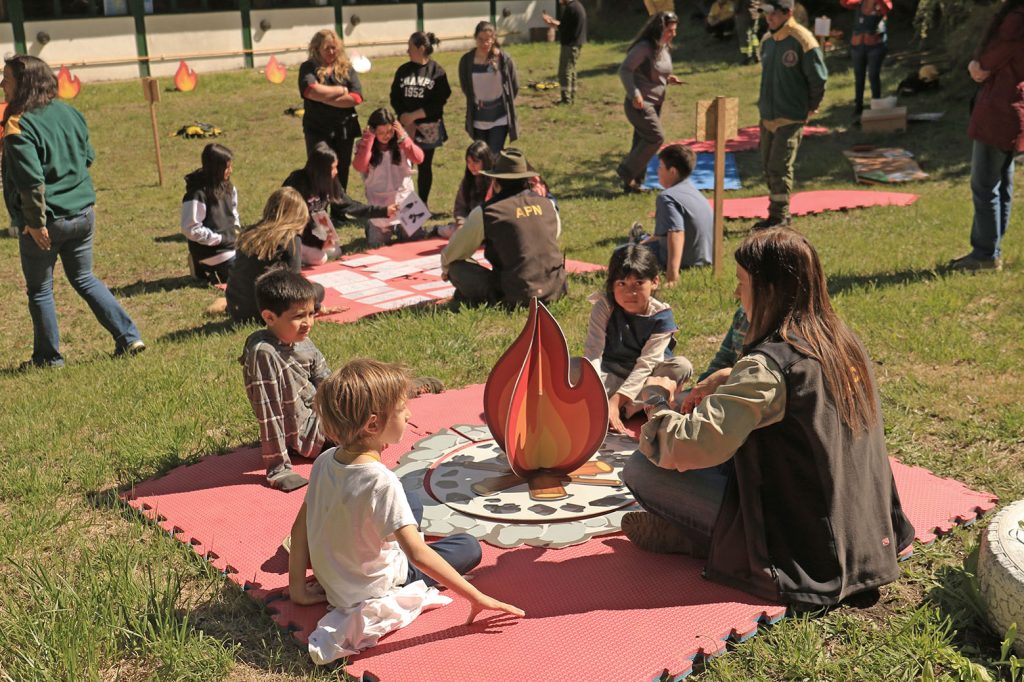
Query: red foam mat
398	253
803	203
747	139
597	611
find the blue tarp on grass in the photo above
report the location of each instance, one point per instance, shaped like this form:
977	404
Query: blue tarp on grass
703	175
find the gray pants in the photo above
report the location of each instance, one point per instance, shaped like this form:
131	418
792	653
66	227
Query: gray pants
648	137
474	284
778	157
567	58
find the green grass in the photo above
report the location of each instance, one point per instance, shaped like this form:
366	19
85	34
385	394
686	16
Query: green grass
90	591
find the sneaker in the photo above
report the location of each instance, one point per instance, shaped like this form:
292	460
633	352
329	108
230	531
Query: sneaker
772	222
29	365
970	263
651	533
633	187
133	348
287	481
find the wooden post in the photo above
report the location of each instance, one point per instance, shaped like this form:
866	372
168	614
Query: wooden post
721	135
718	117
151	91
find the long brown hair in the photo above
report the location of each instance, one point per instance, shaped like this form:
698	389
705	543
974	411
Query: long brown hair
341	66
35	84
790	299
284	217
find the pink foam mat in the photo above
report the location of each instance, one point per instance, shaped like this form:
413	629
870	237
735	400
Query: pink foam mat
747	139
803	203
405	290
597	611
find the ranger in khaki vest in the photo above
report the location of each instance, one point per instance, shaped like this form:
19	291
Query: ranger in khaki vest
519	231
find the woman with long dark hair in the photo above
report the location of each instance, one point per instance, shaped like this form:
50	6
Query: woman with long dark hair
997	129
418	95
780	477
331	91
645	73
318	184
209	215
488	78
50	197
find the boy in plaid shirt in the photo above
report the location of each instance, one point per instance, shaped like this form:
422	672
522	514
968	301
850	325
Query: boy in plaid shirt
282	369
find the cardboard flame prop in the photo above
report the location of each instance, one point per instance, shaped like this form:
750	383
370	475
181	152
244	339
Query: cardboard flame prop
275	71
547	427
185	79
68	86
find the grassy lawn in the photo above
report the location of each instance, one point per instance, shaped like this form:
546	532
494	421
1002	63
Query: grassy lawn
88	591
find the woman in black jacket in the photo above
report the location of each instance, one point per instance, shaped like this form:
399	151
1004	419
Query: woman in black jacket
488	78
418	95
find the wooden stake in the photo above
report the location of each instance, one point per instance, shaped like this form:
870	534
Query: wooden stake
151	91
721	135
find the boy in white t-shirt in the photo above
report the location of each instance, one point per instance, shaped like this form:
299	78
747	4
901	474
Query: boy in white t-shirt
358	527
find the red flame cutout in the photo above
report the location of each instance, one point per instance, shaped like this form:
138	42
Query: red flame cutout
68	86
543	422
275	71
185	79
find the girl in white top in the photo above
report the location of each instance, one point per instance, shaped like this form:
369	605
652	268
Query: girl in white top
385	157
359	528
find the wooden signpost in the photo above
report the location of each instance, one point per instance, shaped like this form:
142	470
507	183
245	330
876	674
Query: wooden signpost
720	118
151	91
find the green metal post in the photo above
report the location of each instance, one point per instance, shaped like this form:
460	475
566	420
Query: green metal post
138	10
337	19
494	12
245	6
16	12
419	15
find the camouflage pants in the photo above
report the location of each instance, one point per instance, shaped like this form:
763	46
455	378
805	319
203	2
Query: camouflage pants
778	156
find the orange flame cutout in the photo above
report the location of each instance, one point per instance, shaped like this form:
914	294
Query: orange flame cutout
275	72
540	419
68	86
185	79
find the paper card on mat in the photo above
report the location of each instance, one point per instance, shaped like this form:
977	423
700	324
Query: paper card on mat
429	286
403	302
412	214
388	295
363	261
338	278
396	272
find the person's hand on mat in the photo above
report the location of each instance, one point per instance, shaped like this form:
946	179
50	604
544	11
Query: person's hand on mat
704	388
392	210
485	603
615	413
331	310
40	236
638	101
311	592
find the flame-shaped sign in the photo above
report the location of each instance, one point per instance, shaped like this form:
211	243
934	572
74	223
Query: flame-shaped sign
68	86
275	71
544	423
185	79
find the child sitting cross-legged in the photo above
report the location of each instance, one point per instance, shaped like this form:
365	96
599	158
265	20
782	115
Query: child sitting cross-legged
359	529
282	369
631	334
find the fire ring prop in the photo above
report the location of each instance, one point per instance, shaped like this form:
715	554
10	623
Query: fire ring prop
459	473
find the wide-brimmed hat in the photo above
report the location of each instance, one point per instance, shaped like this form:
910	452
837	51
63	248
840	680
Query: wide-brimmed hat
511	165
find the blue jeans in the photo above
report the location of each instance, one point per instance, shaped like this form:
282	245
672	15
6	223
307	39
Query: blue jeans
494	137
992	190
867	60
690	499
461	551
71	240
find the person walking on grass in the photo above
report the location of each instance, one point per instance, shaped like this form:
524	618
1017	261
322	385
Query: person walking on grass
997	131
793	77
488	79
572	34
49	195
645	74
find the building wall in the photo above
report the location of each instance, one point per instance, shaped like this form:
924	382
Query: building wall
382	29
289	33
74	42
170	36
449	21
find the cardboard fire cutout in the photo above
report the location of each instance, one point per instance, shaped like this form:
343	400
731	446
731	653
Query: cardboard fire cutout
275	71
68	86
547	427
185	79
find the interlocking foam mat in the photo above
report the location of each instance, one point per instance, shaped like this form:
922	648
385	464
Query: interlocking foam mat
746	140
703	176
390	277
598	611
803	203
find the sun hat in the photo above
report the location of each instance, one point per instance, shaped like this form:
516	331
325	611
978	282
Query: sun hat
511	165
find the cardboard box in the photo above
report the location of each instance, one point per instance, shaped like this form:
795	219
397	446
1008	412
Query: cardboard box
884	120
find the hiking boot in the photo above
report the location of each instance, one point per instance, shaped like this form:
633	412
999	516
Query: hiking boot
133	348
651	533
970	263
772	221
286	481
